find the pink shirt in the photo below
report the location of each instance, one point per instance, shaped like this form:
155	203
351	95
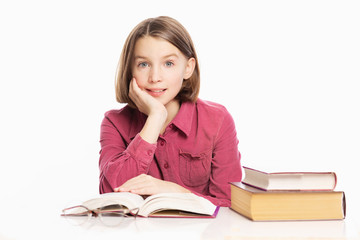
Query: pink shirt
198	150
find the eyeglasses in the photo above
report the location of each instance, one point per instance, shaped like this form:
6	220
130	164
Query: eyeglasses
110	215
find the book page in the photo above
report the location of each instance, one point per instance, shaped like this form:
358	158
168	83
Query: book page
177	201
129	200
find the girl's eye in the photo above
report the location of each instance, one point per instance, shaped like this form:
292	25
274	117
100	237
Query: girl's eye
169	64
143	64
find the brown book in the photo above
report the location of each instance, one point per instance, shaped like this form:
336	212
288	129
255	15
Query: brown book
260	205
290	180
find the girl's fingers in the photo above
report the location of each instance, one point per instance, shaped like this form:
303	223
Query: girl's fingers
132	183
133	91
148	185
139	97
142	185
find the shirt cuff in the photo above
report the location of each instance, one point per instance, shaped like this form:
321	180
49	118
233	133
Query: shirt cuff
141	150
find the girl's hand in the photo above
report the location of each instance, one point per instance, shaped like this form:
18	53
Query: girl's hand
144	102
148	185
155	110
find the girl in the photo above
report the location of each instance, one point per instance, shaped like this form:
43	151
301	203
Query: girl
166	139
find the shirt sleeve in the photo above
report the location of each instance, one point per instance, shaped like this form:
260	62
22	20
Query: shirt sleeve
119	160
225	166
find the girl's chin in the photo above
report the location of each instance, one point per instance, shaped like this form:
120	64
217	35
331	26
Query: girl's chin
172	103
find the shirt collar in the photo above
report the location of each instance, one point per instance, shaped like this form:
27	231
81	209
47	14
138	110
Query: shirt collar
183	119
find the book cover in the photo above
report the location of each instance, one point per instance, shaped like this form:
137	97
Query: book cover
296	181
259	205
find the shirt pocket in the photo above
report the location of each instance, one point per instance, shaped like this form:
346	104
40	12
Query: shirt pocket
195	168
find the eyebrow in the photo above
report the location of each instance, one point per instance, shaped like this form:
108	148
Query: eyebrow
166	56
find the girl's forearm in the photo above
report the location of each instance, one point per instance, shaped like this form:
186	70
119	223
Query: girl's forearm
152	128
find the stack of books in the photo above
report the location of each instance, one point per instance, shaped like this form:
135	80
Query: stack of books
288	196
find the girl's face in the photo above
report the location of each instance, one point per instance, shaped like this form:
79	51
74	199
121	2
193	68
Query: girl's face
160	68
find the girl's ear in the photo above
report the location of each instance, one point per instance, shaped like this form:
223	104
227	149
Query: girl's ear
190	66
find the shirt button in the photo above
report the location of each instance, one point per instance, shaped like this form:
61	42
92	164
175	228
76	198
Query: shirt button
162	143
166	165
149	152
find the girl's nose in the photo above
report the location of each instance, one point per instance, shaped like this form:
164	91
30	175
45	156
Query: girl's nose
155	75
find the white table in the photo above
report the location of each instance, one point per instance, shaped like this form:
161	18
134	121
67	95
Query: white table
228	225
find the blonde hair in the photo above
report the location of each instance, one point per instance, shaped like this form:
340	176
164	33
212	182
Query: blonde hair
170	30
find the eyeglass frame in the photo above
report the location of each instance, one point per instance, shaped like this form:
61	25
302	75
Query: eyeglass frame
96	214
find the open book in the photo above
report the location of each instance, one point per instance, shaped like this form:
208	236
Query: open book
158	205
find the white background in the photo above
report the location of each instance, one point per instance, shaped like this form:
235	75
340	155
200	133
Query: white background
288	72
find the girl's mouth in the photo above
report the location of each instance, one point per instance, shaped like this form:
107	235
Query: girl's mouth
156	92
